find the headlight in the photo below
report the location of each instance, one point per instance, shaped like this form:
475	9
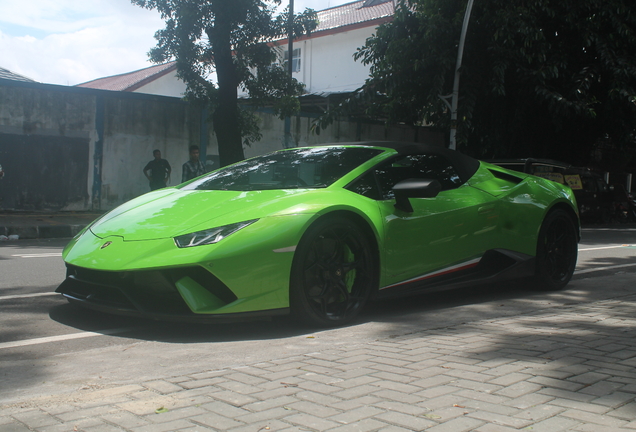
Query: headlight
210	236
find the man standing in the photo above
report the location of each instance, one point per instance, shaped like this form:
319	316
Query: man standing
194	167
157	171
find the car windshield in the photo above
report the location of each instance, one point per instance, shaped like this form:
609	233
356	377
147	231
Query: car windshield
290	169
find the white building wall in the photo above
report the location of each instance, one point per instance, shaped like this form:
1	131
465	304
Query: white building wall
167	85
327	64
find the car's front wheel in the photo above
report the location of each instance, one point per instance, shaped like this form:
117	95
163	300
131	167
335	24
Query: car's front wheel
333	273
557	250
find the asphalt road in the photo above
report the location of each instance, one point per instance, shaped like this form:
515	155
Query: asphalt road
48	346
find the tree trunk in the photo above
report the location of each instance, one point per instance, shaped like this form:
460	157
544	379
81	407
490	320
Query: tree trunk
225	116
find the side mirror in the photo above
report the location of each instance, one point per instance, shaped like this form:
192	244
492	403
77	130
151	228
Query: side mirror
414	188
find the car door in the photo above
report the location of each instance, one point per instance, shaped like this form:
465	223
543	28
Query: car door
448	232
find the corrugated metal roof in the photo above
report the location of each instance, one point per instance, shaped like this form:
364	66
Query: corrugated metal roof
353	13
131	81
7	74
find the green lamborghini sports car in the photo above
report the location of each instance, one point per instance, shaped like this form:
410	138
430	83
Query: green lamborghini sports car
319	231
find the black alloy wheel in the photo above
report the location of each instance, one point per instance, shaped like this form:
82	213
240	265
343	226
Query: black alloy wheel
557	251
333	273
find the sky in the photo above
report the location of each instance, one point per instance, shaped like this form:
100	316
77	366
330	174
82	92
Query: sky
69	42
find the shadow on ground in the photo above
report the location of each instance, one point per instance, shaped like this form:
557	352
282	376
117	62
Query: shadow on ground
406	314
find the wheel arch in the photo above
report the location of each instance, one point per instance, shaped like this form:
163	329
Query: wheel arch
365	225
556	255
328	308
565	206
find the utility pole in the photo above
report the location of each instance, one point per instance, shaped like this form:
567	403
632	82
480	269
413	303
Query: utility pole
290	68
455	95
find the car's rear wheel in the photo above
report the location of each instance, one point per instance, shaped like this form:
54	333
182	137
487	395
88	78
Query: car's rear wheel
333	273
557	250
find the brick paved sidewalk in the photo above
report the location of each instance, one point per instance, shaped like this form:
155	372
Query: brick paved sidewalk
567	368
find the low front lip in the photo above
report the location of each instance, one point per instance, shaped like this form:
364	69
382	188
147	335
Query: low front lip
187	317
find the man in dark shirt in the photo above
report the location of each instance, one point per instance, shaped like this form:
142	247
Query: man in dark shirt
157	171
194	167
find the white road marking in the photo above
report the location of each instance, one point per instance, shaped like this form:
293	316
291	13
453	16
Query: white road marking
578	272
60	338
607	247
11	297
609	229
40	255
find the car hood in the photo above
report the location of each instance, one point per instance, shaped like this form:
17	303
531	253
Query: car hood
171	212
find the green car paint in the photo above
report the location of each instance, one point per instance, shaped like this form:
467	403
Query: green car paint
450	227
494	208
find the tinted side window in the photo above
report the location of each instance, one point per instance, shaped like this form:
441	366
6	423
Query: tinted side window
425	166
366	186
378	184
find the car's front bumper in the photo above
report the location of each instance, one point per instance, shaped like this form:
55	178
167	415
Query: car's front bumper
188	293
246	273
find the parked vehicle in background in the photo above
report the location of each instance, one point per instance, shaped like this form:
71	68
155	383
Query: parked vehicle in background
624	209
595	198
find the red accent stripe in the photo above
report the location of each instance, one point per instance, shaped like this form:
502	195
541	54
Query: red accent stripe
433	275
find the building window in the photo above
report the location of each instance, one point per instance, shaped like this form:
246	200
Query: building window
295	59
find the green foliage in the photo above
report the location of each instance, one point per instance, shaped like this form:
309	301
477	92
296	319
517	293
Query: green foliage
249	125
543	78
221	45
269	85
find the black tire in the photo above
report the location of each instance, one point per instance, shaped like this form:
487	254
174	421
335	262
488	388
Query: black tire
333	273
557	251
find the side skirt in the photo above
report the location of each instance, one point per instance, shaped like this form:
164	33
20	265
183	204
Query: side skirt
494	266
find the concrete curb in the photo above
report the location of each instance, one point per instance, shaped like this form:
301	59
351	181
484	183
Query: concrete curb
26	232
36	225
